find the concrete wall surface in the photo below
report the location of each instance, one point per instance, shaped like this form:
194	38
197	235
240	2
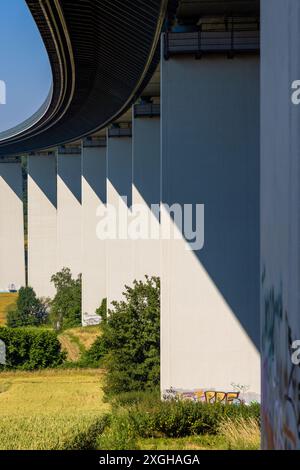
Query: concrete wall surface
280	217
210	321
69	214
146	192
12	255
120	270
42	223
94	250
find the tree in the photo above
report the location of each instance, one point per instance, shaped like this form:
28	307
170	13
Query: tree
66	305
28	311
131	337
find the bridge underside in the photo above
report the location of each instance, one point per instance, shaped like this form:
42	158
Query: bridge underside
160	106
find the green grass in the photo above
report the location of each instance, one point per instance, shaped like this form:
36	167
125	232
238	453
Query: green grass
76	341
206	442
6	300
57	409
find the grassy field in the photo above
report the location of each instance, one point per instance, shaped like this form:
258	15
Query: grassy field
77	340
65	409
51	409
6	300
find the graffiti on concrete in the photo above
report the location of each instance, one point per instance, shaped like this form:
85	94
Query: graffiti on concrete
222	397
204	396
280	377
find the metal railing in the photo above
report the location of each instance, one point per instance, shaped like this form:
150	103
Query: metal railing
91	142
146	110
231	37
120	132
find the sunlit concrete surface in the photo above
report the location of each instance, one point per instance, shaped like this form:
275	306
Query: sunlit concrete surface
12	255
210	322
119	183
42	223
69	213
94	250
146	192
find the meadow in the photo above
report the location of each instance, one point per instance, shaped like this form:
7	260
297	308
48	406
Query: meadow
6	301
51	409
65	408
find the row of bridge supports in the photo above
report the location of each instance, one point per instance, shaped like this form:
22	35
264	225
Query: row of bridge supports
202	150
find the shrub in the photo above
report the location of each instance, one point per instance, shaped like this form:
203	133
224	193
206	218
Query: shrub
142	415
28	311
180	419
102	310
93	357
131	335
31	348
120	435
66	305
152	417
147	399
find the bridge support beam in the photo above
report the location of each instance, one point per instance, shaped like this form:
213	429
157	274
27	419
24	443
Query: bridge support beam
119	185
146	188
69	214
94	249
280	229
12	255
210	323
42	223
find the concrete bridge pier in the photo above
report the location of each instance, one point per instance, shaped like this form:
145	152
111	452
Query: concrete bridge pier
120	270
146	189
280	228
12	255
42	223
210	321
94	250
69	213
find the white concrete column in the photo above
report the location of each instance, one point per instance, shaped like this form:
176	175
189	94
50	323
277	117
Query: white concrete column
94	249
119	184
280	227
69	215
146	188
12	255
210	155
42	223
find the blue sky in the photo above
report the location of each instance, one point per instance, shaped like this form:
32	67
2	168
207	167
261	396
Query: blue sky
24	64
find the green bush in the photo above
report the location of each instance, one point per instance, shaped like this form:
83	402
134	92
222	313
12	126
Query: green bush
120	434
142	415
147	399
31	348
183	418
93	357
28	311
88	439
102	310
66	305
131	335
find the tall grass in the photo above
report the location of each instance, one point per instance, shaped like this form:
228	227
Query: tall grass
6	301
51	431
241	433
51	410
